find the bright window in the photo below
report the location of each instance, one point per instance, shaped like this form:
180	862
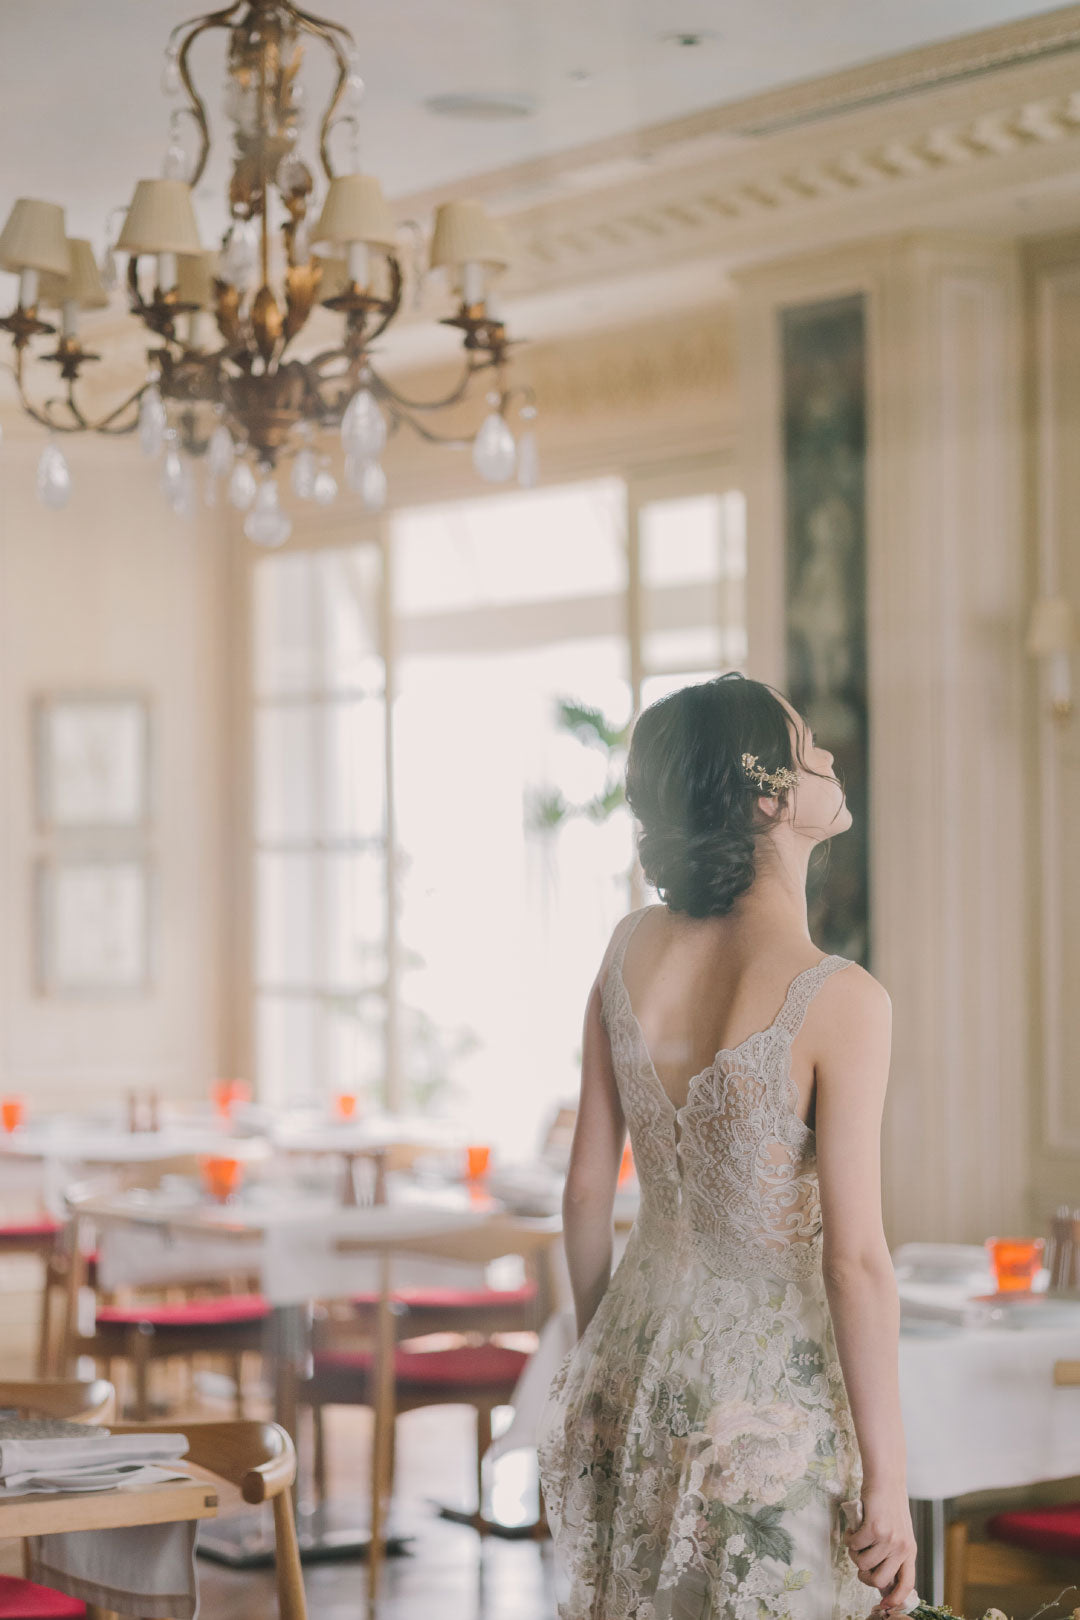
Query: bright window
440	957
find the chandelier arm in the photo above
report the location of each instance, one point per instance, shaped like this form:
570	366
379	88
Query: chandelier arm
44	414
328	32
197	26
422	431
454	397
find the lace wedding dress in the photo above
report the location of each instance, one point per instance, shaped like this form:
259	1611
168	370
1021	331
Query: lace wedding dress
697	1441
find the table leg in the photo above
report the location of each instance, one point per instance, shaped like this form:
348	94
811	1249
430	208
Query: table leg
928	1521
288	1350
241	1543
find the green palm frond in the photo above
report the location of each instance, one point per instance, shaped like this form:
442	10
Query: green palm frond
590	726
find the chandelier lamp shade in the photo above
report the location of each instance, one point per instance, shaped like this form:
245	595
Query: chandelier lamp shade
236	378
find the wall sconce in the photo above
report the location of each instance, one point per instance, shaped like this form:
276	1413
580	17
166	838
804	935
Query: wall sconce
1051	638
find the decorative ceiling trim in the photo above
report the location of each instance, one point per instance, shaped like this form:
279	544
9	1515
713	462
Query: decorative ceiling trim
1006	131
946	64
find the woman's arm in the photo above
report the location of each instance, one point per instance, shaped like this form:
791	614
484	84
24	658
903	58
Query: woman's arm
595	1154
852	1071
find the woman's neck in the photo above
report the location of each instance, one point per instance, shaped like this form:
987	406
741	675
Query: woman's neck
777	897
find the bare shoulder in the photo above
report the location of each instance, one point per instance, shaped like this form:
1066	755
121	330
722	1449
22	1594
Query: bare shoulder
619	933
855	988
851	1010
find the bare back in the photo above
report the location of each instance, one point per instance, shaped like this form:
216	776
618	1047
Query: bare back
702	987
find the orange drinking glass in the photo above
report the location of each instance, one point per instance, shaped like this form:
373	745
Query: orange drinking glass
477	1157
221	1177
626	1166
345	1104
12	1113
1015	1262
228	1094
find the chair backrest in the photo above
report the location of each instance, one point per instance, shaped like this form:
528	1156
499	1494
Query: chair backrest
77	1400
260	1459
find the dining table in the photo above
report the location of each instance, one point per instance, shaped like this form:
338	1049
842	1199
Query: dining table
300	1248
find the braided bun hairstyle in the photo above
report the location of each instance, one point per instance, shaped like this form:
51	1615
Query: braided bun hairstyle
686	785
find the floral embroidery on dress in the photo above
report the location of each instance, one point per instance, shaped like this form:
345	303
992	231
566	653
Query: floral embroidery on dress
697	1441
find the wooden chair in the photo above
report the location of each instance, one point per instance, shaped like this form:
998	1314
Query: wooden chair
76	1400
259	1459
141	1331
1035	1546
393	1379
44	1239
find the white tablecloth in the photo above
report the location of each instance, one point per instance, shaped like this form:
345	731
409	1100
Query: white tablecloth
292	1249
981	1409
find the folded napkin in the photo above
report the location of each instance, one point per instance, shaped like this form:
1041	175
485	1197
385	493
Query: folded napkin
94	1462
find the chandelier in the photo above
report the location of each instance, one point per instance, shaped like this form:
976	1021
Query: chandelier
225	381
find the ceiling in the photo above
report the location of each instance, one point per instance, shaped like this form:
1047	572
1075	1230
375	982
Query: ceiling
83	115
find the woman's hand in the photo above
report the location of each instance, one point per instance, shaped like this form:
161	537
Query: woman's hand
883	1546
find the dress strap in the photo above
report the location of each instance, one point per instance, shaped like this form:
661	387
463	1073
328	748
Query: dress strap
620	939
803	990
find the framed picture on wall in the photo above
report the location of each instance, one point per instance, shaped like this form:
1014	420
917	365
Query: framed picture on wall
92	761
93	925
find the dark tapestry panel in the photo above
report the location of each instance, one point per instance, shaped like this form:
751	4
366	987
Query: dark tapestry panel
824	392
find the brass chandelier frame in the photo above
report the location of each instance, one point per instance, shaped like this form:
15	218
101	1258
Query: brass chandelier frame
250	379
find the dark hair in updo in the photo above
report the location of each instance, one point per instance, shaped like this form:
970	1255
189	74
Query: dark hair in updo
686	785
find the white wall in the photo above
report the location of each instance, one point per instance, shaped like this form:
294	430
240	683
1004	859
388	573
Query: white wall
115	592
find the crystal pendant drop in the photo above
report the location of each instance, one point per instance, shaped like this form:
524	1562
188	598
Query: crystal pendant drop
53	477
368	480
182	498
494	450
172	476
242	486
152	421
170	75
324	488
353	93
240	258
175	166
220	452
363	427
528	460
304	469
110	277
266	523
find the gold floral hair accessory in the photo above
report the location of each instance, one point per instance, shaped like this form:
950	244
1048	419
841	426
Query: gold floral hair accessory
771	782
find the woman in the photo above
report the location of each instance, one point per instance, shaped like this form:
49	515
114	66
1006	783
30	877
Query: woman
735	1380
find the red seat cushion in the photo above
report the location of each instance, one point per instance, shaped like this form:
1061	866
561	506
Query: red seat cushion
225	1310
468	1365
1053	1530
32	1230
455	1298
22	1600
